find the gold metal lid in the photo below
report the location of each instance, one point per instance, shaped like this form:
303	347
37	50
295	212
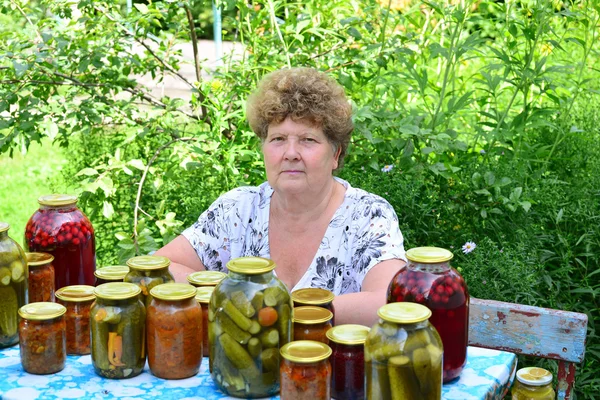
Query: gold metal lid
534	376
348	334
206	278
173	291
42	311
76	293
203	293
312	296
38	259
305	351
4	226
404	313
311	315
429	255
148	262
57	200
112	272
117	290
251	265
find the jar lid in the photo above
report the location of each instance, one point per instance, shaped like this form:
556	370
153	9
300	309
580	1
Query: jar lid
203	294
312	296
76	293
429	255
57	200
348	334
251	265
206	278
112	272
404	313
534	376
4	227
37	259
148	262
311	315
173	291
42	311
117	290
305	351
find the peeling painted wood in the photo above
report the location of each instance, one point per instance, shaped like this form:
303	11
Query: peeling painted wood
566	380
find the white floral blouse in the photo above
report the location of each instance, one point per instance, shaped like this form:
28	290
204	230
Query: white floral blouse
363	232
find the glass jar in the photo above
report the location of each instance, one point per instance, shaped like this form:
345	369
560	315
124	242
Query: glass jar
174	331
58	227
403	354
147	272
78	300
347	344
305	371
533	384
111	273
42	338
118	331
203	298
205	278
314	297
13	286
41	277
249	319
311	323
429	279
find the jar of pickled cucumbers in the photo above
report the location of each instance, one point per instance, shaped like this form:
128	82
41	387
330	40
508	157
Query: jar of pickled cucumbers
347	344
305	371
78	300
147	272
174	331
13	286
429	279
314	297
111	273
311	323
203	298
249	319
533	383
41	277
205	278
60	228
118	331
403	354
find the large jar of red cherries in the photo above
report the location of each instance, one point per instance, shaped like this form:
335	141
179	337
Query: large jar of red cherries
429	279
58	227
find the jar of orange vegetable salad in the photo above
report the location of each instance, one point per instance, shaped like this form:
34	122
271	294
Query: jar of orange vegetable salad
311	323
78	300
305	371
147	272
203	298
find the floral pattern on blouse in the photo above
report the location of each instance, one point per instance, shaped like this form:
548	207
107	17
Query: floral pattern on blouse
363	232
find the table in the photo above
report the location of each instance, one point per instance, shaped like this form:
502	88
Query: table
487	375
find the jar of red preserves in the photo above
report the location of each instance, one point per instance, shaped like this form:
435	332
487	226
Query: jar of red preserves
311	323
174	331
147	272
305	371
314	297
78	300
205	278
203	298
429	279
42	338
348	361
41	277
61	229
111	273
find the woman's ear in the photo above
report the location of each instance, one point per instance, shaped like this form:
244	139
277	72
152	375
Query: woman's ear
336	157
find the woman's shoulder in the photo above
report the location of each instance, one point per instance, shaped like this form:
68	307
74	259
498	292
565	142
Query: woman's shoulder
245	196
360	198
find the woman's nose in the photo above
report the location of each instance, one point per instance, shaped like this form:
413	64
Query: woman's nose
291	151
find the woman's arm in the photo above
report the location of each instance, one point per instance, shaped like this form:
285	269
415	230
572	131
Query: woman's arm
361	308
184	259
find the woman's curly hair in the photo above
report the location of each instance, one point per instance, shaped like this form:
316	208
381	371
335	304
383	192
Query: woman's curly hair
303	94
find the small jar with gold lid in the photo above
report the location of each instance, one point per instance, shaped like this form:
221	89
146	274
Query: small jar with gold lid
305	371
42	338
205	278
203	298
147	272
78	300
314	297
41	277
311	323
533	383
111	273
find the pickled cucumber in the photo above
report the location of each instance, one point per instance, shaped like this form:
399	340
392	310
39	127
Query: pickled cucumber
378	382
236	316
270	360
229	327
254	347
275	296
241	302
403	383
5	276
17	271
9	306
238	356
257	300
283	324
269	338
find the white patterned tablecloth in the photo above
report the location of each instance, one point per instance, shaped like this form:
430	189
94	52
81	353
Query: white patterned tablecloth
487	375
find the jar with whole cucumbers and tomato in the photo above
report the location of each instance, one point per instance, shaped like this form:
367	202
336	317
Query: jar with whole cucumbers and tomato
147	272
203	298
311	323
249	319
429	279
314	297
533	383
205	278
60	228
41	277
110	273
78	300
305	371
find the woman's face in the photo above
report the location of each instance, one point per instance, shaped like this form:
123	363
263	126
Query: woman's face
298	158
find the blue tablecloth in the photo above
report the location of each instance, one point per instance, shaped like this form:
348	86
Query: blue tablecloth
487	375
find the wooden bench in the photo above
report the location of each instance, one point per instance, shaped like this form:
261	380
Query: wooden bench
532	331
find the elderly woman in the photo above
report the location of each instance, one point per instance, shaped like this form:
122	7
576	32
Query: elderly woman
320	231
